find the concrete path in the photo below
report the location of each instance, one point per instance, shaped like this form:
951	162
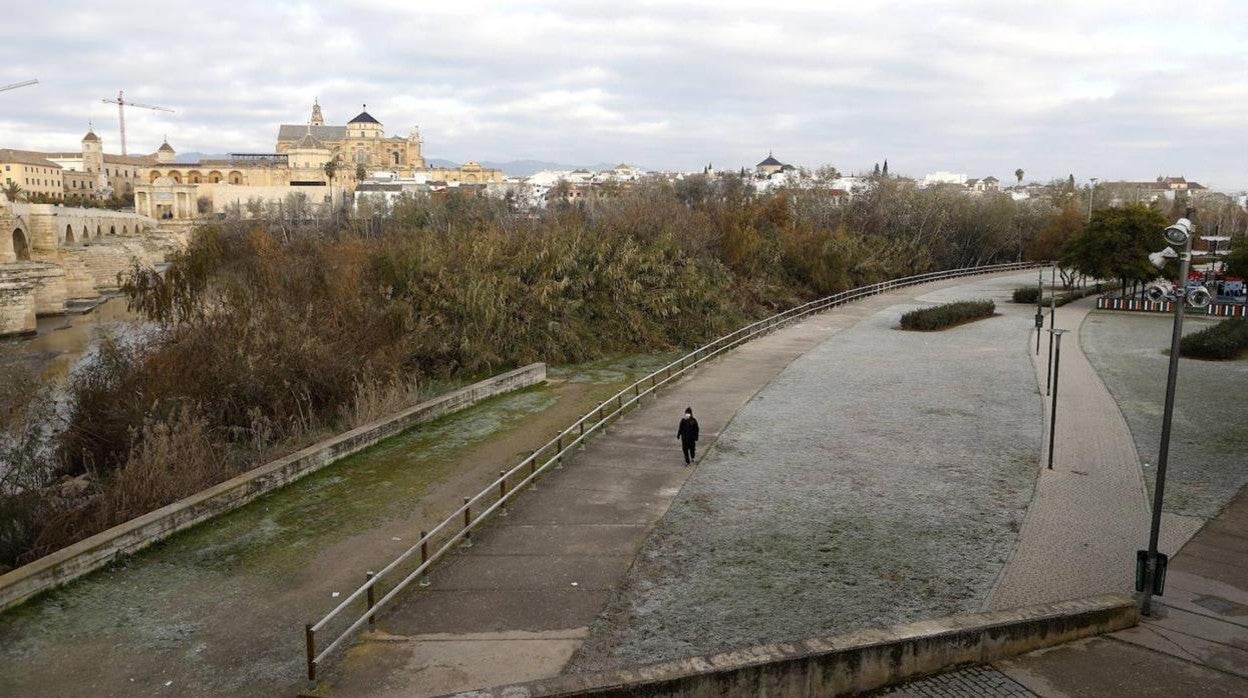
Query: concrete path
1196	643
517	604
1091	511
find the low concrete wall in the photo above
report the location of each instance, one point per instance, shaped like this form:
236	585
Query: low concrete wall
853	663
98	550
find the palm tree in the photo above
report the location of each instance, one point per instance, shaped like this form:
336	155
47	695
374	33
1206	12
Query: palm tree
331	169
1018	174
13	191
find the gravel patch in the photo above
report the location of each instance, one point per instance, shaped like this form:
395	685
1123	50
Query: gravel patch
1209	441
881	478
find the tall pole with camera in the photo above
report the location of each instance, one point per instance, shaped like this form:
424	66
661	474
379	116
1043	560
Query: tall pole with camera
1152	577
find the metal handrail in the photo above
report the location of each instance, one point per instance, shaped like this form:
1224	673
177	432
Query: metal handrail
496	495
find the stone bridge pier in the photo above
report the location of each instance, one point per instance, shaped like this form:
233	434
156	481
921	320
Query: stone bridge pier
57	259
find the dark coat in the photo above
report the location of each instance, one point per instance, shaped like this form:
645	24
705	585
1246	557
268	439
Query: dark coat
688	431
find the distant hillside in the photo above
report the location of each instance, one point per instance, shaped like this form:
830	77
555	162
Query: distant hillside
524	168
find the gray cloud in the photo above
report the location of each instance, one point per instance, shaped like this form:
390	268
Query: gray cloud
982	87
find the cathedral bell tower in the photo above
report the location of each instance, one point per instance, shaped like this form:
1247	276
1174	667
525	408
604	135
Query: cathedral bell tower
317	119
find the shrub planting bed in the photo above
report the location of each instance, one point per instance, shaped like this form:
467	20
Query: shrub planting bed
1026	294
942	316
1224	341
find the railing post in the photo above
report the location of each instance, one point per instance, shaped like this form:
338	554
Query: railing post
424	557
502	491
468	522
559	452
371	599
309	639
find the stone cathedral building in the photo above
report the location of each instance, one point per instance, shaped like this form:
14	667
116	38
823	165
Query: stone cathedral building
361	142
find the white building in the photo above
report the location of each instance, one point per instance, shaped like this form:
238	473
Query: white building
943	177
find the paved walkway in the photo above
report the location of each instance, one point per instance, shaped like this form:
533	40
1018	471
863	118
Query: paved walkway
517	604
1091	511
1196	643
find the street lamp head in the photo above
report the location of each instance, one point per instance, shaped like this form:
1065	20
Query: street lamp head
1158	259
1179	233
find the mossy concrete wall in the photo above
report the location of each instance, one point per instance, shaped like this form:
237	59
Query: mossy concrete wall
98	550
852	663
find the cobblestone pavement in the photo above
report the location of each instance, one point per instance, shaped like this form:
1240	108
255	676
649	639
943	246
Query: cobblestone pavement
881	478
1090	513
972	682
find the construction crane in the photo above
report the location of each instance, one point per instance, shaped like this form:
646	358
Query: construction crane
121	113
16	85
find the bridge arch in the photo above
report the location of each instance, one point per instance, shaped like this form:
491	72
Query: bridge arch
112	230
86	234
69	235
125	230
20	247
99	232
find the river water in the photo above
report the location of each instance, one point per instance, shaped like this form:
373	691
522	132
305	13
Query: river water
63	340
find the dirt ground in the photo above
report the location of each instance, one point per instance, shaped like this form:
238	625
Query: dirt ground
219	609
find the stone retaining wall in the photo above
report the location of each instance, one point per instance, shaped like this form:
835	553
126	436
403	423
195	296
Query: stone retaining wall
17	308
852	663
134	535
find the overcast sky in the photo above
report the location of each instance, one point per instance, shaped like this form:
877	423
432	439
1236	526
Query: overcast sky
1098	89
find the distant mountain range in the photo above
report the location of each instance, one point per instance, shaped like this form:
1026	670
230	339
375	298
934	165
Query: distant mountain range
512	168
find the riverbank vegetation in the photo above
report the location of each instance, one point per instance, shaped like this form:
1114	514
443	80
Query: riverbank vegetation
269	332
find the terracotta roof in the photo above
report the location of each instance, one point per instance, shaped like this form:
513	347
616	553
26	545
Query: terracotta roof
309	142
293	132
26	157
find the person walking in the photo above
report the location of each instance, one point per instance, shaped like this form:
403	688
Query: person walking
688	435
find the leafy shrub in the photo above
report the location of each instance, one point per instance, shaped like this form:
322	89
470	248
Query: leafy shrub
1026	294
1226	340
947	315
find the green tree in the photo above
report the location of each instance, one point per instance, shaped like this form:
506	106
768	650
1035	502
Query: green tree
1116	244
360	172
885	170
1018	174
331	169
1237	260
13	191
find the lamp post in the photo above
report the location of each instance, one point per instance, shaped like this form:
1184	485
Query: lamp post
1039	307
1091	196
1154	564
1053	408
1052	323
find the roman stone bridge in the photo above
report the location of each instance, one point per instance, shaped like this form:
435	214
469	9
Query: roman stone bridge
55	259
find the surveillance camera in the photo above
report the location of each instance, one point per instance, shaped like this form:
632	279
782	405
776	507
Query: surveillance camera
1159	258
1199	297
1158	291
1179	233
